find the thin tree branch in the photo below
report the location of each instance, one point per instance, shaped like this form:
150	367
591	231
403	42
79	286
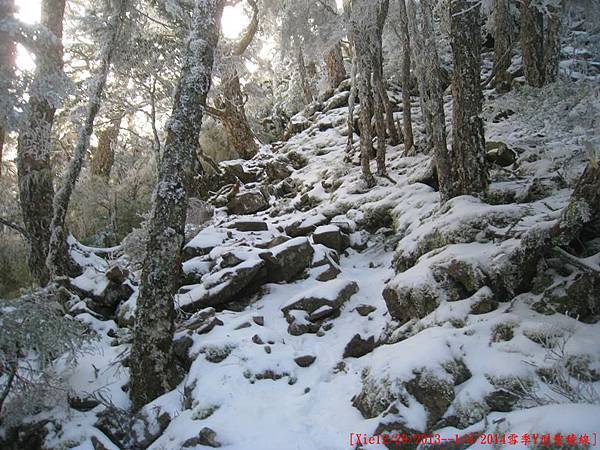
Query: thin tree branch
13	226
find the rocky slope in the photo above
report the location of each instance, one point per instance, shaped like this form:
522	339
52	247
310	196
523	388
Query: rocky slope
313	308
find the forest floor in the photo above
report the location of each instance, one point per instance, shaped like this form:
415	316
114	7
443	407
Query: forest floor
458	346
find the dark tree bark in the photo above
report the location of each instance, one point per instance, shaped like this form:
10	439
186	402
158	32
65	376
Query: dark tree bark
308	96
552	44
336	72
104	156
427	60
469	171
152	365
409	140
379	82
34	147
351	104
58	261
230	107
7	66
230	110
532	43
502	45
418	52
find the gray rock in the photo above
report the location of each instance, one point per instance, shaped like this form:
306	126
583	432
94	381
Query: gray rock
329	274
358	346
232	283
332	294
277	170
206	437
331	236
248	202
408	302
499	153
365	310
305	361
250	225
286	261
259	320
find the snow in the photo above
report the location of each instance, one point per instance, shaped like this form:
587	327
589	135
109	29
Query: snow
311	408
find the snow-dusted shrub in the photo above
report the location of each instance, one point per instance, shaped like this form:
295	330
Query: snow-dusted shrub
35	333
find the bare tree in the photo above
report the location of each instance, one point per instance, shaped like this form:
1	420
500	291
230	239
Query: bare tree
229	108
7	66
427	61
152	365
502	45
468	158
308	96
552	44
58	261
334	60
34	147
406	81
532	43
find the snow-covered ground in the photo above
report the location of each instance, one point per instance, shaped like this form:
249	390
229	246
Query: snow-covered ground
462	349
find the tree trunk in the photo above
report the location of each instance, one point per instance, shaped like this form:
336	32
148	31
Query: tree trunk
104	156
34	146
7	69
406	82
502	45
152	365
351	103
552	47
434	99
379	83
469	172
336	72
308	97
58	261
532	43
418	51
233	117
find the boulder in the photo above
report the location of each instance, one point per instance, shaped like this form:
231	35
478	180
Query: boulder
223	286
499	153
329	274
331	236
306	226
248	202
286	261
358	346
250	225
277	170
337	101
332	294
409	302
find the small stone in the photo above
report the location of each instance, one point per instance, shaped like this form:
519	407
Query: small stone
206	437
257	340
267	349
330	274
243	325
259	320
365	310
305	361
